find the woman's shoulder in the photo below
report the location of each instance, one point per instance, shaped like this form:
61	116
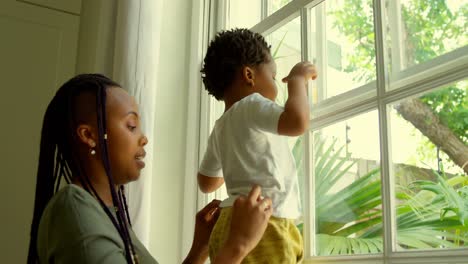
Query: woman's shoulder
72	220
73	200
75	210
72	193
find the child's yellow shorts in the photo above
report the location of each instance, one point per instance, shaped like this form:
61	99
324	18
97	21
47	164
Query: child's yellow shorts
281	243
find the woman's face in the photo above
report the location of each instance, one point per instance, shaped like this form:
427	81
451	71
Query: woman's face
125	138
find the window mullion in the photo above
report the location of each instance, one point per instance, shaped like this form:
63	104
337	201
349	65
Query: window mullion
389	237
222	15
321	52
309	229
309	177
264	9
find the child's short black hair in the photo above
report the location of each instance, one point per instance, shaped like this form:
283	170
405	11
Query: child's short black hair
228	52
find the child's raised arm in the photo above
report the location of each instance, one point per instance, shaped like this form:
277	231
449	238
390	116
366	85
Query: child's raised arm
294	121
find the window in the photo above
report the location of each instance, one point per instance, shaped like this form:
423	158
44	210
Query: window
430	187
244	13
383	169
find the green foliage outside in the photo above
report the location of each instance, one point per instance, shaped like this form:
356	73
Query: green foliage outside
430	214
431	29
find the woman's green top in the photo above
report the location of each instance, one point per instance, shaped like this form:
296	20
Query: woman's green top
75	229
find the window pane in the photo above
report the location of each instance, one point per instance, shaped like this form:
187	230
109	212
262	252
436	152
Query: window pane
244	13
430	144
286	51
275	5
342	42
346	166
421	31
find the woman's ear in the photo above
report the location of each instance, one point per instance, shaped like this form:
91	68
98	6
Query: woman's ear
86	134
248	75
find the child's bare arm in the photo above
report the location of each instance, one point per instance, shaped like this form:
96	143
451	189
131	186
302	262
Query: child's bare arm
294	121
209	184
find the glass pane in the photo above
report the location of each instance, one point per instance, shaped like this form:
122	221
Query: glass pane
342	42
286	51
429	142
346	165
243	13
275	5
423	30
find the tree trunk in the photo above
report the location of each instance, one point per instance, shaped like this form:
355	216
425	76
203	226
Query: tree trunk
422	117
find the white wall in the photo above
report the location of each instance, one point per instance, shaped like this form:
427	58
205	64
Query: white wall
96	38
37	53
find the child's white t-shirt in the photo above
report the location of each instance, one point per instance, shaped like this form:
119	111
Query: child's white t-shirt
246	149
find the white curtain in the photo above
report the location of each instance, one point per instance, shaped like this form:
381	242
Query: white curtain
136	55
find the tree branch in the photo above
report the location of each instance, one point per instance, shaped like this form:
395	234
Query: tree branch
422	117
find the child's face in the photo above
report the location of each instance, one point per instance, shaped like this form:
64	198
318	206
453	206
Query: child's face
264	82
125	138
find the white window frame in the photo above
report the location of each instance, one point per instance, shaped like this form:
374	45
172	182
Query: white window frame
210	16
207	17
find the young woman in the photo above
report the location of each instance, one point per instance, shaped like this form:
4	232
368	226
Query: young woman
92	139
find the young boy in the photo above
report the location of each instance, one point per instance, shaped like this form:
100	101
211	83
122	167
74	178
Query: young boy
248	145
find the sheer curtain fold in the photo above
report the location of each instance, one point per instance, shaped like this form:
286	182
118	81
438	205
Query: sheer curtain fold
136	53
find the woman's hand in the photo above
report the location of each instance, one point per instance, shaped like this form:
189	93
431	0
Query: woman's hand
204	223
249	220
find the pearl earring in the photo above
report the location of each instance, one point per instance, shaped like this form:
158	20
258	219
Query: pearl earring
93	151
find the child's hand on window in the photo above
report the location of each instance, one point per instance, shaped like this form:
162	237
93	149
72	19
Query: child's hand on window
303	69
